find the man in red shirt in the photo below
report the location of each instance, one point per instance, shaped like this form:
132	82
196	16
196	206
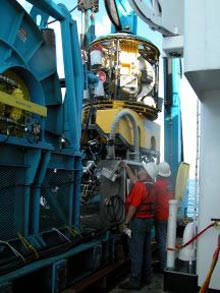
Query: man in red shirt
139	217
163	194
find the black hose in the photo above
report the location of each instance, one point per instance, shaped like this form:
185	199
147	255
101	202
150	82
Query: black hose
115	209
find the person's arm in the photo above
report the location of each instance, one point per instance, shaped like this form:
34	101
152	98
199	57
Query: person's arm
130	214
130	173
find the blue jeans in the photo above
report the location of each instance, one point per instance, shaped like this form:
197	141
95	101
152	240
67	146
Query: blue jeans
140	250
161	239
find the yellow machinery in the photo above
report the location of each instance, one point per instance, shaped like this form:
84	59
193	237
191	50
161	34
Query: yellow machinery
15	106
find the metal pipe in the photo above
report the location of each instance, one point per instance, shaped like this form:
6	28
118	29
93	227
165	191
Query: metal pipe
117	70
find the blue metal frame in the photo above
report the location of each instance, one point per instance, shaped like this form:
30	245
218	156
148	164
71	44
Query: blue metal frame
51	260
35	166
127	16
173	148
24	51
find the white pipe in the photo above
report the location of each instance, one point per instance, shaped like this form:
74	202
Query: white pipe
171	234
188	253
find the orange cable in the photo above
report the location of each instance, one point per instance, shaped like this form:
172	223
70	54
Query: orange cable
205	284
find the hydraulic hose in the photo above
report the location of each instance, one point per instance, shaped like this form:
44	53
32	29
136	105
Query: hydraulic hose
114	209
119	116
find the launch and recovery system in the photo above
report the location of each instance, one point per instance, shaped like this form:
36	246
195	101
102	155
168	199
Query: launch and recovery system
62	187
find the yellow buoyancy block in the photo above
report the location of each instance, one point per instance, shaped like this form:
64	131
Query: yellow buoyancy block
181	180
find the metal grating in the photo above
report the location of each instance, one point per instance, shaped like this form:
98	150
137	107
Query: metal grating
55	198
10	188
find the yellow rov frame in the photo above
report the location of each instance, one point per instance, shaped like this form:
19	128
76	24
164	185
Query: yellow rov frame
149	131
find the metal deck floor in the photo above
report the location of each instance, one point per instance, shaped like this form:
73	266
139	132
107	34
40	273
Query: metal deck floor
155	287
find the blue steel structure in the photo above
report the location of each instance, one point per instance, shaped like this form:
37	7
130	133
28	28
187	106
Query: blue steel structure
173	141
32	59
40	158
123	17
